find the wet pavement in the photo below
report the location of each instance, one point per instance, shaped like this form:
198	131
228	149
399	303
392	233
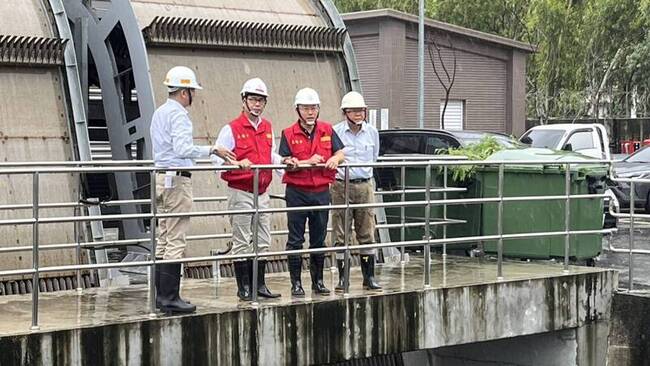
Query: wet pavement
620	261
99	306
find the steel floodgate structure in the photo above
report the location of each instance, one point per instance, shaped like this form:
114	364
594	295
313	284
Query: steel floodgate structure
96	66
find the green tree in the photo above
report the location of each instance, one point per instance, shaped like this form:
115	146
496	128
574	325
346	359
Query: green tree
346	6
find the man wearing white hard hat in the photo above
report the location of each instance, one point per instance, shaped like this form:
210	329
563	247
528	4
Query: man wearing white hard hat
361	141
309	141
173	147
251	139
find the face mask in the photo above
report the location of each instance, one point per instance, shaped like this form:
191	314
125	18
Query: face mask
252	111
308	123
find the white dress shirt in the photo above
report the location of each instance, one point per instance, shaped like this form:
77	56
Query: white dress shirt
360	147
226	139
172	139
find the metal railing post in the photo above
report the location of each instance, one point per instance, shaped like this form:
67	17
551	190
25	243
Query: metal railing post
346	234
500	222
256	224
630	268
444	213
402	230
35	252
76	233
216	271
567	216
154	244
427	228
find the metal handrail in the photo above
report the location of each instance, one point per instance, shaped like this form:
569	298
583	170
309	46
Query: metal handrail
632	215
37	169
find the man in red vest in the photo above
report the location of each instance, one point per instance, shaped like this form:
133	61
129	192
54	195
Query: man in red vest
251	138
308	141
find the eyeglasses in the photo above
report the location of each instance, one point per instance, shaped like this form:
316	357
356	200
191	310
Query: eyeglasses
256	100
355	110
308	108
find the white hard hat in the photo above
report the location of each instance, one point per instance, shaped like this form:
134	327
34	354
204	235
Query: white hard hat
181	77
306	96
353	100
255	86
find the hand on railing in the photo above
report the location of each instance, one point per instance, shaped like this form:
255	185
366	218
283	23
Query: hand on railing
223	153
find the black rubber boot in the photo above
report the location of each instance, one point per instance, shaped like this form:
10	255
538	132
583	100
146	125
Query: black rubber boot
170	281
368	271
242	275
340	287
157	281
316	270
262	290
294	272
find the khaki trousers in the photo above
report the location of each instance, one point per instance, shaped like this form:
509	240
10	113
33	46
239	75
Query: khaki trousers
242	225
364	218
171	231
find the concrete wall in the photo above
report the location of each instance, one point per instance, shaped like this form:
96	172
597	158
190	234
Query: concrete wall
584	346
629	337
340	329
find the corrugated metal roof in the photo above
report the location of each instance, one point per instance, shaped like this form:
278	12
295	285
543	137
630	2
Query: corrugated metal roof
485	37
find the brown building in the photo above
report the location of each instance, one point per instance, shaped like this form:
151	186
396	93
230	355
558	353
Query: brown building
489	91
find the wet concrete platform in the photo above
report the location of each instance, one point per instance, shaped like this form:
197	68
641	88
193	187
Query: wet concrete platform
465	303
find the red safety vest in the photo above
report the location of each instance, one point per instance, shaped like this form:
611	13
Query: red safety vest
254	145
303	148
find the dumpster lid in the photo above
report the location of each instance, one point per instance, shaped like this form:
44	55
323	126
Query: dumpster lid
546	155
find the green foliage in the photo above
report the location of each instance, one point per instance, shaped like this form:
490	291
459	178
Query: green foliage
346	6
481	150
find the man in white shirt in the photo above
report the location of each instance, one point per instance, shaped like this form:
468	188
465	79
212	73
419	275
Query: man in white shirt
173	147
361	142
251	139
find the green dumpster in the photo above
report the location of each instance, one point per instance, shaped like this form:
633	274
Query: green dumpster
389	179
543	216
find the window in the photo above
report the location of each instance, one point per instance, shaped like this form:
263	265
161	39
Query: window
400	144
439	144
581	140
454	114
641	156
543	138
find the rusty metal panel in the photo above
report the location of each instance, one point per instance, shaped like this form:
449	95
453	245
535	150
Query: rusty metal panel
35	51
24	18
34	127
222	73
480	81
299	12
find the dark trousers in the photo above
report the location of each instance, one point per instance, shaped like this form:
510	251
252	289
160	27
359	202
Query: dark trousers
296	222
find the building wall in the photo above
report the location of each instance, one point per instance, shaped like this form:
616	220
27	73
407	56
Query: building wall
490	79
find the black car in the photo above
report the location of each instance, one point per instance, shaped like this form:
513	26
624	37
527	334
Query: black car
636	165
415	141
433	141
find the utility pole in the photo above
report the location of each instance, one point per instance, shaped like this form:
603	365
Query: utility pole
421	66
